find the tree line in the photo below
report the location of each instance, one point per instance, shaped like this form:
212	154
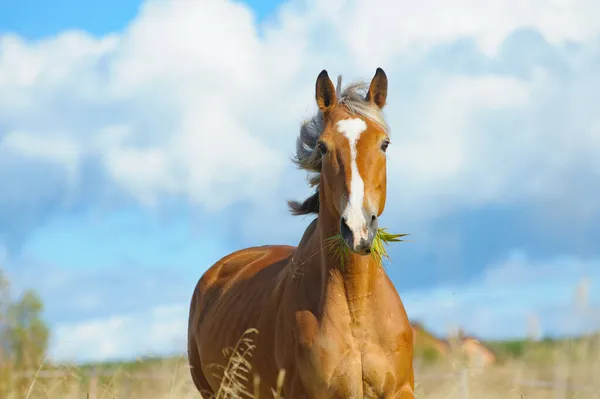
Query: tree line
24	335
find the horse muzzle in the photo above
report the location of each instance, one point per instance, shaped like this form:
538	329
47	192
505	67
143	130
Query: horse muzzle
359	240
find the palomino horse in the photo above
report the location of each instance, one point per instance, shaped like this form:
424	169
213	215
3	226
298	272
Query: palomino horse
338	332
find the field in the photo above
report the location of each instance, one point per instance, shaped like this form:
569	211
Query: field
545	369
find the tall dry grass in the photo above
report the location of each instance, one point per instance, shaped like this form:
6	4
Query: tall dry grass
566	369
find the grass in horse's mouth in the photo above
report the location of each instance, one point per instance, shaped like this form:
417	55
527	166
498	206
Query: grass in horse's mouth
341	251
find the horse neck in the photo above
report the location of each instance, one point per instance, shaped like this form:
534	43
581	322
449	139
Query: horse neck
357	276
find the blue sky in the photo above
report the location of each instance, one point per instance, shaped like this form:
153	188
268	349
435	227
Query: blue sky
119	188
34	19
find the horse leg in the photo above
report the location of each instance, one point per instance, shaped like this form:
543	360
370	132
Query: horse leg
198	377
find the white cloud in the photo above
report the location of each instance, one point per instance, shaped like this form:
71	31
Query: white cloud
444	156
503	302
378	29
195	100
171	108
158	331
55	149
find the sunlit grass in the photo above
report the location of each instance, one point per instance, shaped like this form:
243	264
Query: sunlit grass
565	369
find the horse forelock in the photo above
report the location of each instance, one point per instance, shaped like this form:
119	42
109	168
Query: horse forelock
307	156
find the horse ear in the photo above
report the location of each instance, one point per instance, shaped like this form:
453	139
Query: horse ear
377	93
325	92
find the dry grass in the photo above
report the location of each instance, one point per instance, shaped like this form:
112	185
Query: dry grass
572	366
383	238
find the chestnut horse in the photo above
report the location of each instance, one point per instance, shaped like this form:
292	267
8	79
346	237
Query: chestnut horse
338	332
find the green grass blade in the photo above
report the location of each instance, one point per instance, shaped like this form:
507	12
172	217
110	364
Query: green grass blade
340	250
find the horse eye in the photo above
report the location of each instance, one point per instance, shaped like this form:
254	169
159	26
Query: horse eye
384	145
322	147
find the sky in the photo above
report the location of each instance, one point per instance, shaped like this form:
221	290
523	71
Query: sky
142	141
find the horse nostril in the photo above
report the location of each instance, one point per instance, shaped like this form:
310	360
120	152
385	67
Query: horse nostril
373	220
344	229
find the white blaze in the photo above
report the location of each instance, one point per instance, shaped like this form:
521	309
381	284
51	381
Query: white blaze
353	212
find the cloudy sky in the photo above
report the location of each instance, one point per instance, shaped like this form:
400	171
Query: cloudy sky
142	141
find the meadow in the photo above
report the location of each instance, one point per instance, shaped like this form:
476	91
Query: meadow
566	368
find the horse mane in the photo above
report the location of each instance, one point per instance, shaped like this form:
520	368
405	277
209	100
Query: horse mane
308	158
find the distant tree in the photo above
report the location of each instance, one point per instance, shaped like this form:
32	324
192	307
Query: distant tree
4	306
5	365
27	332
23	333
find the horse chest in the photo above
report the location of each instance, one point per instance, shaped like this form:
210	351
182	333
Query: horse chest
344	366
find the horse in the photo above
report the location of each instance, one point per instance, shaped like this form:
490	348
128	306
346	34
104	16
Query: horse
337	330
